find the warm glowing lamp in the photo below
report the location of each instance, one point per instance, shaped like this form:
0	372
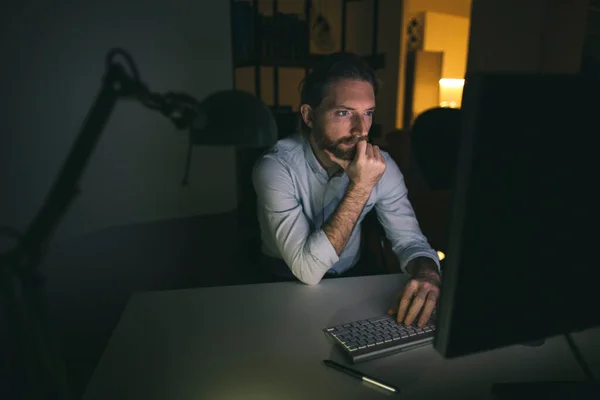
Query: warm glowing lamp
441	255
451	92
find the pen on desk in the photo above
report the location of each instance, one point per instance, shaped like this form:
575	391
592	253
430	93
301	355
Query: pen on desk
359	375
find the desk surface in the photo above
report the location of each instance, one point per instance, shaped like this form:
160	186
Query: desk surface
266	342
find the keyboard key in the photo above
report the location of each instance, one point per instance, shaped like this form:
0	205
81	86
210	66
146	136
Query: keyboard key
378	319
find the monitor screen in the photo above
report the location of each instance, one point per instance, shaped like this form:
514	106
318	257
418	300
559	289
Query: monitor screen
522	244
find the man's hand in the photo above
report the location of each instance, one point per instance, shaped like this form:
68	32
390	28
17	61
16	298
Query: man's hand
367	166
420	293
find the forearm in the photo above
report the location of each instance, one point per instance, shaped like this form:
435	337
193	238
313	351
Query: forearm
339	226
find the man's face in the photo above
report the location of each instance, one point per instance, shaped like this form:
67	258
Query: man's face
344	117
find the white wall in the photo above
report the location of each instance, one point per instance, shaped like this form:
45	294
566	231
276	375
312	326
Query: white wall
461	8
52	64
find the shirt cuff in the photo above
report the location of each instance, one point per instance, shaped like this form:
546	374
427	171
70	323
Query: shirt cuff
411	254
321	249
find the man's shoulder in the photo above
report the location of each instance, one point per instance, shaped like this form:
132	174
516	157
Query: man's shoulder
392	175
288	151
391	165
286	155
386	155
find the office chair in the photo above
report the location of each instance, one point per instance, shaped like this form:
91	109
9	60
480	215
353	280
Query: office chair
434	141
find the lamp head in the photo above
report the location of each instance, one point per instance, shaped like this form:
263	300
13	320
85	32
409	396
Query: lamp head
233	118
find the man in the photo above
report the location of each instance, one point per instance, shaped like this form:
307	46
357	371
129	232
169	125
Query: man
313	190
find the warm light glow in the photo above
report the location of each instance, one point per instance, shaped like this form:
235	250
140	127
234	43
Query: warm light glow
451	92
452	82
441	255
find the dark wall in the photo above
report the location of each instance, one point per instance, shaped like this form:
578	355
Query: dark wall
52	66
133	226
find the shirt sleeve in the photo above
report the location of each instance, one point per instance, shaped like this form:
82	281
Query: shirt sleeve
309	255
396	215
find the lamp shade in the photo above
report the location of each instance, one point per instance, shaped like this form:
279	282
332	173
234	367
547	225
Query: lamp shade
234	118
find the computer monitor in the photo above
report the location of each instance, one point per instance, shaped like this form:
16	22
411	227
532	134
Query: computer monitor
522	246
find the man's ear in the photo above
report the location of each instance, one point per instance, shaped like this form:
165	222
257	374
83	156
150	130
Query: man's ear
307	114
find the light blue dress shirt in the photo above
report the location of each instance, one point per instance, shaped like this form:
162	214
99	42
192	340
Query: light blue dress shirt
295	196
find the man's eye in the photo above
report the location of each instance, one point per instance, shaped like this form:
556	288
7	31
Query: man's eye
370	113
342	113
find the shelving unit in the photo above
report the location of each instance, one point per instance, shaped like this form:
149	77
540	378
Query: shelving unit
283	40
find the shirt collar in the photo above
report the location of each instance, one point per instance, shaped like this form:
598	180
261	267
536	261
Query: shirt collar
314	163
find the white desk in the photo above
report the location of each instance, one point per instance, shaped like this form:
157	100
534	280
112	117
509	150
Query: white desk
266	342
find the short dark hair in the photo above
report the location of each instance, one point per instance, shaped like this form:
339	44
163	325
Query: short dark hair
333	68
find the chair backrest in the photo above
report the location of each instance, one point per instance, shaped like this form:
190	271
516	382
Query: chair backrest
248	224
434	142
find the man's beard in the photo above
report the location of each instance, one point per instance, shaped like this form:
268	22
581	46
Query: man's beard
335	146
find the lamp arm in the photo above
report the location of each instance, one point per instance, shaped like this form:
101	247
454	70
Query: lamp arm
19	278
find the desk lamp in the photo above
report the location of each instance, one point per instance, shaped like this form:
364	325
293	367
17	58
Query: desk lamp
208	123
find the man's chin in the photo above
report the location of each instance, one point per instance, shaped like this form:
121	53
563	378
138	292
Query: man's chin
346	155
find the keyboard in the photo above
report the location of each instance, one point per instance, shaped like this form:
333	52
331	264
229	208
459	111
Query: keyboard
367	339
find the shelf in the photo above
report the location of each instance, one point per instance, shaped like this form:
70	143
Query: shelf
376	61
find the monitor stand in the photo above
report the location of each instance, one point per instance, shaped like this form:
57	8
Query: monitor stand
572	390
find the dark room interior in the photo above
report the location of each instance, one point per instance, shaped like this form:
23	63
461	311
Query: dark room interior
134	226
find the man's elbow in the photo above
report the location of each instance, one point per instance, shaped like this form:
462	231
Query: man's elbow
308	268
307	273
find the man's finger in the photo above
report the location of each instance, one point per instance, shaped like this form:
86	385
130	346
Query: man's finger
415	307
394	309
428	308
369	151
361	148
407	295
377	153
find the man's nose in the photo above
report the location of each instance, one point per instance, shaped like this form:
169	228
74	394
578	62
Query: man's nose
359	126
